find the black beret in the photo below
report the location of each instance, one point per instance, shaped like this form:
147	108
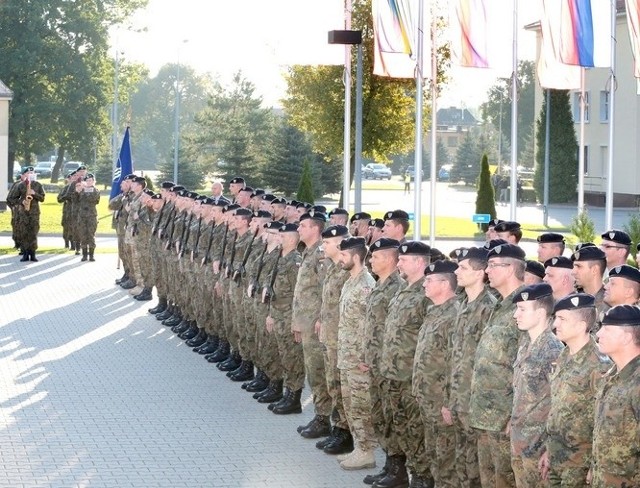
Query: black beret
625	271
479	253
588	253
338	211
575	301
533	292
231	207
27	169
378	223
352	243
618	236
146	191
622	315
559	262
237	180
437	255
396	215
201	198
182	193
293	203
89	175
278	201
507	251
267	197
415	247
273	225
262	214
257	192
550	237
320	208
494	222
193	195
167	185
507	226
246	188
312	214
638	246
440	267
244	212
384	243
304	205
156	196
335	231
360	216
139	179
128	177
535	268
220	203
289	228
493	243
70	174
81	167
207	201
177	188
580	245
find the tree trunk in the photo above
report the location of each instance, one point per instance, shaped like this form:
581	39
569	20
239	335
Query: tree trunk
55	174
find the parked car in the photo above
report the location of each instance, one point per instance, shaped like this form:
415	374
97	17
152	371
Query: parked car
376	171
445	173
70	166
44	168
412	172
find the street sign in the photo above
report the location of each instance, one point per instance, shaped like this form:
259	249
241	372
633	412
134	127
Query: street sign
481	218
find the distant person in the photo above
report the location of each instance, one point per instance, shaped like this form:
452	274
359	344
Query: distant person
24	198
407	182
87	198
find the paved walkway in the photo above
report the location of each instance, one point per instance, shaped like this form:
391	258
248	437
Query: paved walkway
94	392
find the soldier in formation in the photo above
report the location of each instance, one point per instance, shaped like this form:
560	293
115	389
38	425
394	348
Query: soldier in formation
24	199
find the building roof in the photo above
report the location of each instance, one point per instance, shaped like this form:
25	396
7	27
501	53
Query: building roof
454	116
5	92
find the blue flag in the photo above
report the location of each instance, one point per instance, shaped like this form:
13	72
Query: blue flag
124	166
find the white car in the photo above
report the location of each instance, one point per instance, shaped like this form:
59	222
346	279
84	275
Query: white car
376	171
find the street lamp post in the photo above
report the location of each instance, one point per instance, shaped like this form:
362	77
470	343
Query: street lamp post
176	128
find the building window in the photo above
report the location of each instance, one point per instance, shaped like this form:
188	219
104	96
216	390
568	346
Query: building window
586	159
576	107
604	106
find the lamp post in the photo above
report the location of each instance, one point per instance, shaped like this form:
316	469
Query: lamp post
176	128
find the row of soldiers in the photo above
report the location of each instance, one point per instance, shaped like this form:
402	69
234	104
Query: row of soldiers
449	365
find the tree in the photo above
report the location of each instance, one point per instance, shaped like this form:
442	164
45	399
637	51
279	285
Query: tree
189	172
563	150
466	165
305	189
583	227
485	200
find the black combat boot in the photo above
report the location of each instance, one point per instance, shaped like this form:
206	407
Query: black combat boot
197	340
231	363
66	244
181	326
422	481
282	401
77	248
174	319
127	285
372	478
160	307
290	405
167	313
341	443
144	296
25	255
84	254
91	251
122	279
320	427
321	444
243	373
221	354
272	394
397	476
209	346
32	255
191	332
259	383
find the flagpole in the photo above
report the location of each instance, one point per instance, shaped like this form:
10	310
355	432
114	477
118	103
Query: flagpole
346	163
612	91
581	145
434	128
514	116
417	175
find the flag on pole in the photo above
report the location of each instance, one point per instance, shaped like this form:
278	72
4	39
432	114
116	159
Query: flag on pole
481	34
124	166
395	38
633	22
551	72
585	33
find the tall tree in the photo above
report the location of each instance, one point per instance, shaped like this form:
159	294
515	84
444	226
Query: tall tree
485	199
563	150
305	188
466	165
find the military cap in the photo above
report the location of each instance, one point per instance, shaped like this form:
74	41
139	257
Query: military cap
81	167
338	211
177	188
27	169
384	243
192	195
479	253
437	255
130	176
559	262
257	192
415	247
507	251
580	245
244	212
494	222
588	253
304	205
182	193
70	174
89	175
535	268
335	231
360	216
575	301
320	208
293	203
273	225
237	180
278	201
493	243
617	236
550	237
378	223
352	243
231	207
262	214
156	196
146	191
312	214
201	198
247	189
267	197
625	271
289	228
207	200
622	315
167	185
139	179
220	203
638	247
507	226
396	215
533	292
441	267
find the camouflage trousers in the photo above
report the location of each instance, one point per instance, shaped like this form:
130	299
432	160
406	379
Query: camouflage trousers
267	355
227	321
567	477
237	317
159	272
122	249
601	479
334	388
382	418
494	460
525	470
26	227
87	231
406	423
466	453
186	290
357	407
440	442
290	351
146	263
247	327
314	367
135	269
173	278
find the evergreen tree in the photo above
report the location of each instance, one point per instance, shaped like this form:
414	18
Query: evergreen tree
466	165
563	156
305	190
485	200
290	150
442	155
583	227
104	172
189	173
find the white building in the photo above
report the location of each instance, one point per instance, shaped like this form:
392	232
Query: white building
5	97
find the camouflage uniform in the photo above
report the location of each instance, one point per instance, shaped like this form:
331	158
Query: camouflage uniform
281	310
377	310
63	198
431	366
350	354
616	433
407	311
26	223
155	248
491	398
129	239
143	244
87	208
118	205
254	250
215	303
531	402
574	384
334	280
236	287
472	318
307	300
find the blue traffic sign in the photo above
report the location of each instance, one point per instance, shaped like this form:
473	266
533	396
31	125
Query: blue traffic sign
481	218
